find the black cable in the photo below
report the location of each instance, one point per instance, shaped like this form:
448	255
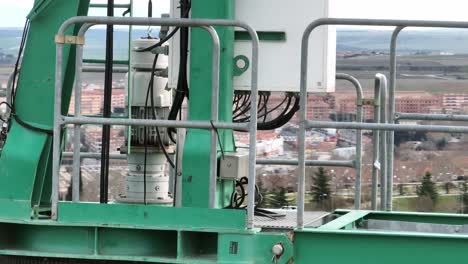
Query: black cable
283	119
182	89
219	138
150	93
33	128
15	83
150	8
107	111
239	195
145	134
158	135
266	109
18	59
239	106
264	115
126	12
246	108
176	181
185	11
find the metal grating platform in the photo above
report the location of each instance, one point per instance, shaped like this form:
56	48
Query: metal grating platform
311	219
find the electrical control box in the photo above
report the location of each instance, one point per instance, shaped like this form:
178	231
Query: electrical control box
280	25
234	166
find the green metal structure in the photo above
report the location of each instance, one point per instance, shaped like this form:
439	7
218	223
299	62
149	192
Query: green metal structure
192	233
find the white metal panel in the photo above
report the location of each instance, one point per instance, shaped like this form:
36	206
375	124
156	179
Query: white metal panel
279	68
279	65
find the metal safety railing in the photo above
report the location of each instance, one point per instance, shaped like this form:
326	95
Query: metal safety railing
356	163
60	120
389	127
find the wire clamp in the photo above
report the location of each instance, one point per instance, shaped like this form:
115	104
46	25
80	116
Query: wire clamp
74	40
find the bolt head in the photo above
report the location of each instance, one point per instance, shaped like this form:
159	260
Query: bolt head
278	249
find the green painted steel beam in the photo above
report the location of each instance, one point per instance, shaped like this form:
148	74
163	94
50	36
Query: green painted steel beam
416	217
196	156
345	221
25	163
365	247
127	243
147	216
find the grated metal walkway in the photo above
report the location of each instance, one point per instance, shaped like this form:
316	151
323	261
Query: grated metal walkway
289	221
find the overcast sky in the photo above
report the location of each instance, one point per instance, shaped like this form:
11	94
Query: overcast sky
12	12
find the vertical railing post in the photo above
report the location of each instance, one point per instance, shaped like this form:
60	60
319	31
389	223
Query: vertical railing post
214	115
376	146
391	120
359	119
253	130
77	128
57	131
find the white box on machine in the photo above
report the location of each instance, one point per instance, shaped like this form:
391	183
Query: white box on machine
234	166
279	62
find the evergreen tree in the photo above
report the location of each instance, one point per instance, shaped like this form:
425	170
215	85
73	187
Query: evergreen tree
320	186
464	197
279	198
428	188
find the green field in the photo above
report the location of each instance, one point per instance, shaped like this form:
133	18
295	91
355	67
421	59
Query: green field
445	204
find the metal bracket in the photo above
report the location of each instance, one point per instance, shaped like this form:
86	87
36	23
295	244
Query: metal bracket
161	50
61	39
369	102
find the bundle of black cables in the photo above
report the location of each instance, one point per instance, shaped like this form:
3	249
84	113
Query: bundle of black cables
239	194
242	107
182	90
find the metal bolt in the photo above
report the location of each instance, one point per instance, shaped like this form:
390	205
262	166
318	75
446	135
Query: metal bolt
278	249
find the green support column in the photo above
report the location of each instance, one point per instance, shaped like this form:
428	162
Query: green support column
196	162
25	162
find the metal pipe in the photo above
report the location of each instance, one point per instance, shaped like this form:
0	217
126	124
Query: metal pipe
359	119
96	69
143	21
391	116
88	21
309	163
301	134
376	145
383	140
214	116
77	128
431	117
388	127
57	134
251	187
89	155
153	122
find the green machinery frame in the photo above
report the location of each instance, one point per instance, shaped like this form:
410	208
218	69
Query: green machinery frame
192	233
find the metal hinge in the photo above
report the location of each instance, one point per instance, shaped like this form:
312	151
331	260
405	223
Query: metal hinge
61	39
